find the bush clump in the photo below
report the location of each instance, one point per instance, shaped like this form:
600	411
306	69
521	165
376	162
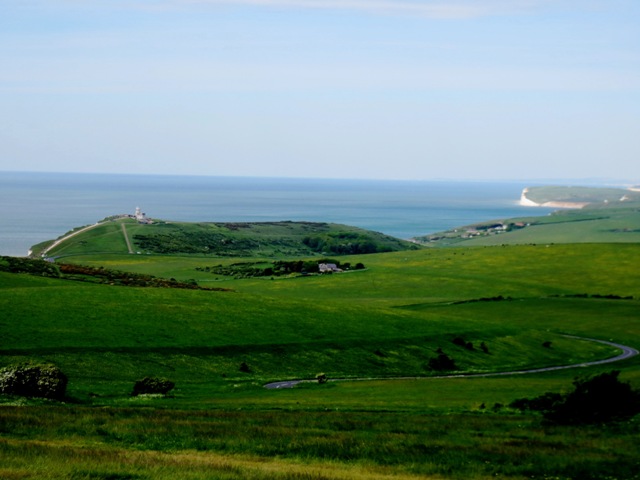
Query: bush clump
442	362
33	380
152	385
599	399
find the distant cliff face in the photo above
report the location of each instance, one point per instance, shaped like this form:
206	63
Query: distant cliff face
527	202
555	196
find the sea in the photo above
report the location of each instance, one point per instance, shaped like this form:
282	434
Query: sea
35	207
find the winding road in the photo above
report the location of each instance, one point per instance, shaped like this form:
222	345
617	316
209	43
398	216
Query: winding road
627	352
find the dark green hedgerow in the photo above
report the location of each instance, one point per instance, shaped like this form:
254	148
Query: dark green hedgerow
115	277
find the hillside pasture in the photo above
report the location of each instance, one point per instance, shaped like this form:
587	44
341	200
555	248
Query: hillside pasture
388	320
360	327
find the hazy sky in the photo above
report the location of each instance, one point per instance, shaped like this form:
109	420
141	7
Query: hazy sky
407	89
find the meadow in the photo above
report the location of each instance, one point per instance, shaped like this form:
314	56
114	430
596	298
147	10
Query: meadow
388	320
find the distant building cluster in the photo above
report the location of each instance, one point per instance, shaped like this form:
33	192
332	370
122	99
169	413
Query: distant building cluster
484	230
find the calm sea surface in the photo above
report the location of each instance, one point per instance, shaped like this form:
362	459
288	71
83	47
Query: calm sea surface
35	207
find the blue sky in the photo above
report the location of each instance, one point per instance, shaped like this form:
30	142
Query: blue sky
432	89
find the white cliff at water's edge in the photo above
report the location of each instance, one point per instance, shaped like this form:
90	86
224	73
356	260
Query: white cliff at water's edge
526	202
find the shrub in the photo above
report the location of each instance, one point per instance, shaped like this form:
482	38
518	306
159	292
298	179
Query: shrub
542	403
322	378
599	399
33	380
442	362
152	385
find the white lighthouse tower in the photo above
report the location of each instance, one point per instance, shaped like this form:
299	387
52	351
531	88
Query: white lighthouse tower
140	216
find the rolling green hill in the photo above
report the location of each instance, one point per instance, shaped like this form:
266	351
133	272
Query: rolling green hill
107	318
389	320
404	306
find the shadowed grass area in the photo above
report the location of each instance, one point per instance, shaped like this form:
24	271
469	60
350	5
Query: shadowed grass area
138	443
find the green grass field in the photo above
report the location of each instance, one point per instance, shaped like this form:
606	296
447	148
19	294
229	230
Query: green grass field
385	321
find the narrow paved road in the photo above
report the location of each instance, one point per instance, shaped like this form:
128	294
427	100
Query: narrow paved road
627	352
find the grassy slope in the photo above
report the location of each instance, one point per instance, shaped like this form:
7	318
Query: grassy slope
400	307
386	320
229	427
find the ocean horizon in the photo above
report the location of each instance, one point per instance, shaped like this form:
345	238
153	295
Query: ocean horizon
36	207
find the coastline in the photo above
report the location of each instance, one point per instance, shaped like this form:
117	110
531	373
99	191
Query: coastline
526	202
41	207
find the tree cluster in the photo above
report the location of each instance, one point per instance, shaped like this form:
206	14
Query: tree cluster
275	269
344	243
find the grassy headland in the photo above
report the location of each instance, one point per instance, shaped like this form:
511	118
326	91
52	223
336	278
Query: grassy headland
259	239
554	195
